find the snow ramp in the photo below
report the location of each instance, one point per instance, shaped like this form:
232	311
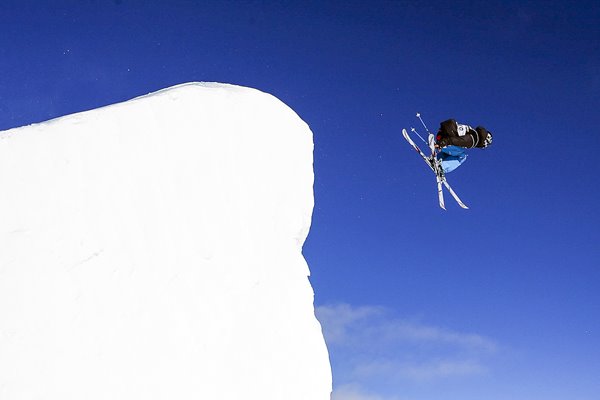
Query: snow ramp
152	250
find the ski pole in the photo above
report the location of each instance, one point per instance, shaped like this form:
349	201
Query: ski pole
419	116
417	133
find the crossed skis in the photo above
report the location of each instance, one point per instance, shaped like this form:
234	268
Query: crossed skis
437	170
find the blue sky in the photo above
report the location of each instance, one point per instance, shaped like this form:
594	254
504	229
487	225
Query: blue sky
500	301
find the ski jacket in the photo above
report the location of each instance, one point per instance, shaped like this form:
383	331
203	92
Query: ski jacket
453	133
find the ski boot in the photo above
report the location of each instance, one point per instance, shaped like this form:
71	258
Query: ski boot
436	165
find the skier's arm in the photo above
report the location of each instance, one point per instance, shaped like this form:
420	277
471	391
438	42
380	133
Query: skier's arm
462	141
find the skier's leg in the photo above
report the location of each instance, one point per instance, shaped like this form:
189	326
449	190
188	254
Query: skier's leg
452	157
453	151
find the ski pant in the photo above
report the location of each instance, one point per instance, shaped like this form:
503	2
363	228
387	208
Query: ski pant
452	157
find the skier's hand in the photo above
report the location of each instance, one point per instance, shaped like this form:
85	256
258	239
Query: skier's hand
443	142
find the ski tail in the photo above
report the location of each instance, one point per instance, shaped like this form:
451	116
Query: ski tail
440	193
453	193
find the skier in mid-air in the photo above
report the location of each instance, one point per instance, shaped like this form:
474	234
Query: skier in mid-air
453	138
448	150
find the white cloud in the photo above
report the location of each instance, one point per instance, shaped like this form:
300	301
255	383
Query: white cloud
370	347
339	319
424	371
403	330
355	392
344	325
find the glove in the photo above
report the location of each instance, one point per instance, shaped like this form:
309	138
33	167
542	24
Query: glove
443	142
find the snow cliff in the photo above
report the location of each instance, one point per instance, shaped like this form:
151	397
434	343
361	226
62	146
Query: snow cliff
152	250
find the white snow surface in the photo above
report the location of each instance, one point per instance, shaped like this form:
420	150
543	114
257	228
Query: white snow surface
152	250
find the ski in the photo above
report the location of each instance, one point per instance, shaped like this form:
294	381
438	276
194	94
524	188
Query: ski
437	169
431	163
440	178
453	193
440	191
